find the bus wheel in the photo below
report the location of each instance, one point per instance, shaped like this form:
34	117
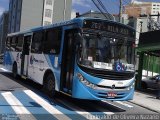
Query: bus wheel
49	86
14	70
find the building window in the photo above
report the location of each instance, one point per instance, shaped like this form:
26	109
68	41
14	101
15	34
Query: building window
47	23
49	2
48	13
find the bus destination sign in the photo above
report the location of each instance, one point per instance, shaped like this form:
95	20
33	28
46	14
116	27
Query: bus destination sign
109	26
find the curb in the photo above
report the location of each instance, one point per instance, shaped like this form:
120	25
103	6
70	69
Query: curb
145	107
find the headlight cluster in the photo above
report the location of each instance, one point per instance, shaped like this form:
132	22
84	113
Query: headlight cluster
84	81
132	86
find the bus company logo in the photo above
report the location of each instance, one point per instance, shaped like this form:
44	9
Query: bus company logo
113	86
34	60
31	59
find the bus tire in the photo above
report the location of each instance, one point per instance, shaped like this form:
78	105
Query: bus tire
14	70
49	85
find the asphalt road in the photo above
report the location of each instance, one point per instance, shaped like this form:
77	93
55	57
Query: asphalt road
24	99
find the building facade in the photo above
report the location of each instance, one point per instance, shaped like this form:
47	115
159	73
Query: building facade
96	14
136	8
26	14
3	30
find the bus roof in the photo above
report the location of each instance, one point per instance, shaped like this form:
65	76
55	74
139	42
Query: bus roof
77	21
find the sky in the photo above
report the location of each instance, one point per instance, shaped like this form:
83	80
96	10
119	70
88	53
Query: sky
112	6
83	6
3	5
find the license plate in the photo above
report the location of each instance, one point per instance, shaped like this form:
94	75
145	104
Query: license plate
111	94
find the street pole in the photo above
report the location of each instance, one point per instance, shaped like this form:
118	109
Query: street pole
120	11
141	26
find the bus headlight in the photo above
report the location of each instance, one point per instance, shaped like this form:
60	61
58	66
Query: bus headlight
85	82
132	86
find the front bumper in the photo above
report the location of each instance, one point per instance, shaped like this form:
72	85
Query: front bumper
81	91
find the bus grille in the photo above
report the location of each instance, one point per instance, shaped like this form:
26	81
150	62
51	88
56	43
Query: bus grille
106	74
101	86
112	76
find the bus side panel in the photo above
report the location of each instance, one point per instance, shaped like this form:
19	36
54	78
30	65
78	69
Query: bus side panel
18	60
35	70
10	58
52	61
39	64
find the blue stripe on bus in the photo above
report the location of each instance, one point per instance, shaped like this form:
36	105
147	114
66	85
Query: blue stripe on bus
5	108
8	59
51	60
48	61
12	58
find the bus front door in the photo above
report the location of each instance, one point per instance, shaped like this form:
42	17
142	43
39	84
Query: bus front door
25	55
68	58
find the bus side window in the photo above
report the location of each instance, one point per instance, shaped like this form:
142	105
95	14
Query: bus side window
13	43
8	43
37	42
52	41
19	44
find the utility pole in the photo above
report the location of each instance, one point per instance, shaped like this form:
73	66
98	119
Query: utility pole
141	26
120	11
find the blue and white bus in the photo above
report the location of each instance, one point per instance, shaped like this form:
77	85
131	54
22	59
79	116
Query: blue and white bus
85	58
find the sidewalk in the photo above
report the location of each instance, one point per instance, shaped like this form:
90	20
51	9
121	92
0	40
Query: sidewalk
147	101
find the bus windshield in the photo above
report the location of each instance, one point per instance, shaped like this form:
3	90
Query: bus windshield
103	51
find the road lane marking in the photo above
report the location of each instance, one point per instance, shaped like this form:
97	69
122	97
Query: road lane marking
15	103
113	105
17	106
84	113
75	109
125	104
4	106
95	113
5	70
48	107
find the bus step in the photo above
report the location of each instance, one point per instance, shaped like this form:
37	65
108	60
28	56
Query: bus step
24	77
65	93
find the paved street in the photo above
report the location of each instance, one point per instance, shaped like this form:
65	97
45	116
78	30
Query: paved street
24	99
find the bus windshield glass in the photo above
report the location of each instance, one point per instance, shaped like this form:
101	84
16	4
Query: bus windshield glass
103	52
